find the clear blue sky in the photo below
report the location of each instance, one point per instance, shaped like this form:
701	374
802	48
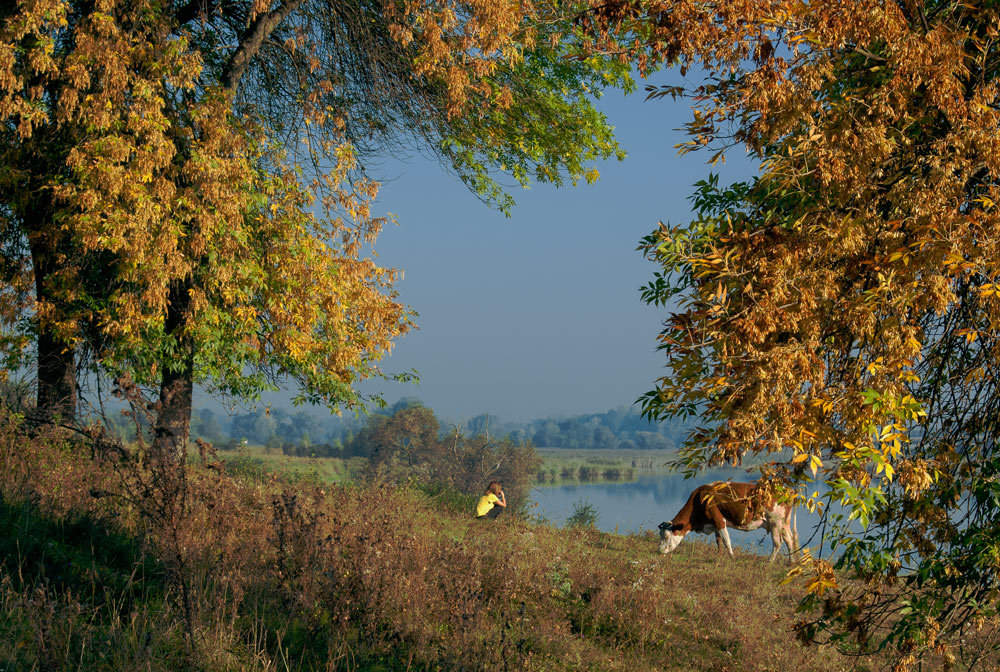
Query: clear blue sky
538	314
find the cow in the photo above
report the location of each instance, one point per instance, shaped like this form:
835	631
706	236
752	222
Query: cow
718	506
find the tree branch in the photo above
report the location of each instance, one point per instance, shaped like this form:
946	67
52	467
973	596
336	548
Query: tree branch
251	41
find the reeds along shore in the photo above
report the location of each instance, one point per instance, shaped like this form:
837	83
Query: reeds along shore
563	465
583	475
106	570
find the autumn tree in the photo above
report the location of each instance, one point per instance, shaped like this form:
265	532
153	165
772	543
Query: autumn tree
162	163
837	315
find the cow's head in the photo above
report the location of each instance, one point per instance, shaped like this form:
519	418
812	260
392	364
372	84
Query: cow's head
671	535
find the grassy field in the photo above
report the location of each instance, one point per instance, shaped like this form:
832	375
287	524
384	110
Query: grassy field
255	459
245	569
567	465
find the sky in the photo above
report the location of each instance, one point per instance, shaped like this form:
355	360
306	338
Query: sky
539	314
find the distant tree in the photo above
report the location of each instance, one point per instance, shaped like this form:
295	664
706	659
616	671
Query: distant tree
404	437
403	404
258	426
604	438
548	435
207	426
483	424
613	419
651	441
272	444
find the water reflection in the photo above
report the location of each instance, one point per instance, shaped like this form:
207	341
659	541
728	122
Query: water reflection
643	504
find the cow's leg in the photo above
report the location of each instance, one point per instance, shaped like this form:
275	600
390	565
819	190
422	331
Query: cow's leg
718	540
724	533
719	523
789	538
777	532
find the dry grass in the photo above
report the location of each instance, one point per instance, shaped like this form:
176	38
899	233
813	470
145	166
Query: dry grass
299	575
254	457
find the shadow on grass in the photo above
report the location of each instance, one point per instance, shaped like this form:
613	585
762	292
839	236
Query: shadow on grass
75	555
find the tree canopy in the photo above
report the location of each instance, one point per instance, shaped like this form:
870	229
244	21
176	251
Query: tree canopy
837	315
185	194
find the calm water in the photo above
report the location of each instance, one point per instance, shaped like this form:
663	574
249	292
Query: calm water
645	503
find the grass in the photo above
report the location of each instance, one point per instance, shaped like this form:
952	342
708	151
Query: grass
254	461
298	573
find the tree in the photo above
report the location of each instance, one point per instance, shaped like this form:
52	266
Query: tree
548	435
206	426
604	438
838	315
406	437
159	203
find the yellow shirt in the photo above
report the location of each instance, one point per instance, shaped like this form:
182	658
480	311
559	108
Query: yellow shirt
486	502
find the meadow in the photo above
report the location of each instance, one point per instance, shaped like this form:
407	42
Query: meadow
250	569
255	459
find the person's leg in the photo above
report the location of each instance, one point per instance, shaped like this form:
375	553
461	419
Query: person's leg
494	512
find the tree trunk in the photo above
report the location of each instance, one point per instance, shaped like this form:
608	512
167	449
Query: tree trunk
173	419
57	389
57	397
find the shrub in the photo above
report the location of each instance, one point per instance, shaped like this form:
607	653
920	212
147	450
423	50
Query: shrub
407	447
584	515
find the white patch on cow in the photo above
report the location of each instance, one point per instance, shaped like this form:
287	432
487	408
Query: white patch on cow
751	526
724	534
669	540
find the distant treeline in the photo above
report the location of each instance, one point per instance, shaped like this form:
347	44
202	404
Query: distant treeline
305	433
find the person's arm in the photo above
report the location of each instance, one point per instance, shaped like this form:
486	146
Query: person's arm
503	500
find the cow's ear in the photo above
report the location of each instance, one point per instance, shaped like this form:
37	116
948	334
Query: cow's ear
665	525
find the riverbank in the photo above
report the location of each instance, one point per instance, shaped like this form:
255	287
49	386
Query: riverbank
559	465
265	572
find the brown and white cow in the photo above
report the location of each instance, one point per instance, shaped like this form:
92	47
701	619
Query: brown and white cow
716	507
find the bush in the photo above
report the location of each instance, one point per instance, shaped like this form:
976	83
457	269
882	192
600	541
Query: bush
584	515
406	447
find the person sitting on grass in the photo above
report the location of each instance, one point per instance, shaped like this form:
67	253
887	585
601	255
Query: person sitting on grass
492	503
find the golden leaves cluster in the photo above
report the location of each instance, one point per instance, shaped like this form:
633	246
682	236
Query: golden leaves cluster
461	44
